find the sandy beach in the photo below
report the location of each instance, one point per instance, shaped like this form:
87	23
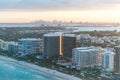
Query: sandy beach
59	75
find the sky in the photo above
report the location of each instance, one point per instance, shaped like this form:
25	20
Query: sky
65	10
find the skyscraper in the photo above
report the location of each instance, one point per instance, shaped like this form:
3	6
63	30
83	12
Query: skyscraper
51	45
117	59
58	44
68	43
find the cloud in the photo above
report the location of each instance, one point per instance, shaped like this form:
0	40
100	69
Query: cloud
56	4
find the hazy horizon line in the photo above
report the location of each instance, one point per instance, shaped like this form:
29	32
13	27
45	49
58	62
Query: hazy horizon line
52	21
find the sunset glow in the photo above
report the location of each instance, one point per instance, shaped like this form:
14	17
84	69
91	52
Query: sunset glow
87	15
61	54
73	10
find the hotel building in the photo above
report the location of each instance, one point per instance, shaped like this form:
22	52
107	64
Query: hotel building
58	44
51	45
85	57
108	61
117	60
28	46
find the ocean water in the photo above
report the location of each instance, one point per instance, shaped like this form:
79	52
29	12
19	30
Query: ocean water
94	28
12	71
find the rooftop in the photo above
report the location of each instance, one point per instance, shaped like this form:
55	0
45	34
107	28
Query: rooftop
86	48
69	35
29	39
53	34
60	33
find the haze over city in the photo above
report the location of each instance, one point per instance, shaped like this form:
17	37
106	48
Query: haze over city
19	11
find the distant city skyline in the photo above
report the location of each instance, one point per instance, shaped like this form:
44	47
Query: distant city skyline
71	10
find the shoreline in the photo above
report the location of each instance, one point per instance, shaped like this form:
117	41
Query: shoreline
58	75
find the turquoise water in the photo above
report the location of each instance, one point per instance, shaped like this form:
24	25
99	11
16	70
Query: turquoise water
11	71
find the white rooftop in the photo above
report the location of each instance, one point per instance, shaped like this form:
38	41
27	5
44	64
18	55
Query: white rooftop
53	34
69	35
12	43
108	52
59	33
29	39
86	48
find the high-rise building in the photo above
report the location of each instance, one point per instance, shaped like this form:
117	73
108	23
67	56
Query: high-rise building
108	60
117	60
12	47
58	44
51	45
85	57
41	46
68	43
28	46
1	44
